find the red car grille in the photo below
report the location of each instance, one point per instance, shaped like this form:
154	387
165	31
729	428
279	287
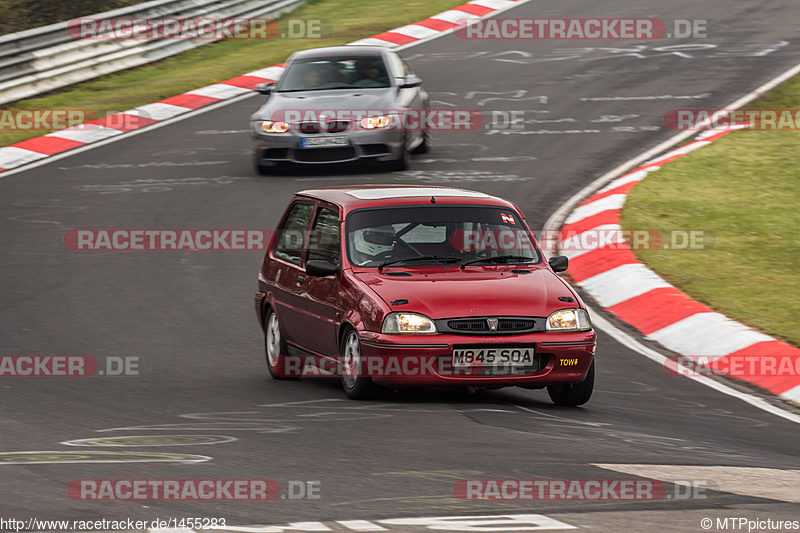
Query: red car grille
481	325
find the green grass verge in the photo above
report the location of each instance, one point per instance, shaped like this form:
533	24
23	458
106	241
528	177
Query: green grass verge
745	189
351	20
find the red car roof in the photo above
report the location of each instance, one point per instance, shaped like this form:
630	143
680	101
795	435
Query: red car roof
358	196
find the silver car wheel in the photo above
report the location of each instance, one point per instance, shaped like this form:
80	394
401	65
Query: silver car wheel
351	360
273	340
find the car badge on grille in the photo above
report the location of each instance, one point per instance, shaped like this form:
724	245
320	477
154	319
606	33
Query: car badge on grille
492	323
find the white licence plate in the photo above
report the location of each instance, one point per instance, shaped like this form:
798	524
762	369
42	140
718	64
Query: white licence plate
318	142
484	356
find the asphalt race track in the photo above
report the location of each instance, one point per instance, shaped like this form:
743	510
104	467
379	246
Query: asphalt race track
188	319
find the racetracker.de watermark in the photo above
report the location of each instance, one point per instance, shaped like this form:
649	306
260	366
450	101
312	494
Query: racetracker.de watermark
43	119
167	239
580	489
490	240
75	119
736	366
191	490
757	119
339	120
31	366
581	29
614	238
208	28
467	362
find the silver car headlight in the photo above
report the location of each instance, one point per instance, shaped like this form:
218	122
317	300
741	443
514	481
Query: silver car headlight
370	123
569	320
274	126
408	323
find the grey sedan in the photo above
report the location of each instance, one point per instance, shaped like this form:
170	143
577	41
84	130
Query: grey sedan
341	104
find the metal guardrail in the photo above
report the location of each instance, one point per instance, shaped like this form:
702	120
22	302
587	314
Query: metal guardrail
42	59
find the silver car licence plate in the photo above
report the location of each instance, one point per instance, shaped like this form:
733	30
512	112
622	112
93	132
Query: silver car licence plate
320	142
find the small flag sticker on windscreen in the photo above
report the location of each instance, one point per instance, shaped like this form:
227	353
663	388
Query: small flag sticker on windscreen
508	219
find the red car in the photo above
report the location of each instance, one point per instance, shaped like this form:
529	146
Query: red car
420	286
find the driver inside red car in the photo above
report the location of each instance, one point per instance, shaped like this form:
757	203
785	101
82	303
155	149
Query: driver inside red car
374	244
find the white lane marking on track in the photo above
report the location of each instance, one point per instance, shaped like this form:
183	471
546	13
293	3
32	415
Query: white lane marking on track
305	402
158	185
658	97
361	525
106	166
482	523
510	523
772	483
540	132
514	96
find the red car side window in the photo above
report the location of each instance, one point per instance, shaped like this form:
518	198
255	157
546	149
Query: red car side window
324	241
292	233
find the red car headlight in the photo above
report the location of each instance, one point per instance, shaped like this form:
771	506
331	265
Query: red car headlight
408	323
569	320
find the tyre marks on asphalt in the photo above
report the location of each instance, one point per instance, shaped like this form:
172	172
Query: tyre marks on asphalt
300	413
152	440
42	211
61	457
694	51
608	433
295	416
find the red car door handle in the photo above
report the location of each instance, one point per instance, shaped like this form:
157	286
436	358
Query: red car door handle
301	279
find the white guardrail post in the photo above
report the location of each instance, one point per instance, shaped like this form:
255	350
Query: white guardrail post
42	59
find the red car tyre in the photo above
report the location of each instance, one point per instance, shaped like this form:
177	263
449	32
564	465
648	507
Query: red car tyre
573	394
275	346
356	385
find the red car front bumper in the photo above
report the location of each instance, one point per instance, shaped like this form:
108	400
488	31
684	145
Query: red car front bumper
395	360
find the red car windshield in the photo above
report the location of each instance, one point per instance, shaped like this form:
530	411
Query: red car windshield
438	234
